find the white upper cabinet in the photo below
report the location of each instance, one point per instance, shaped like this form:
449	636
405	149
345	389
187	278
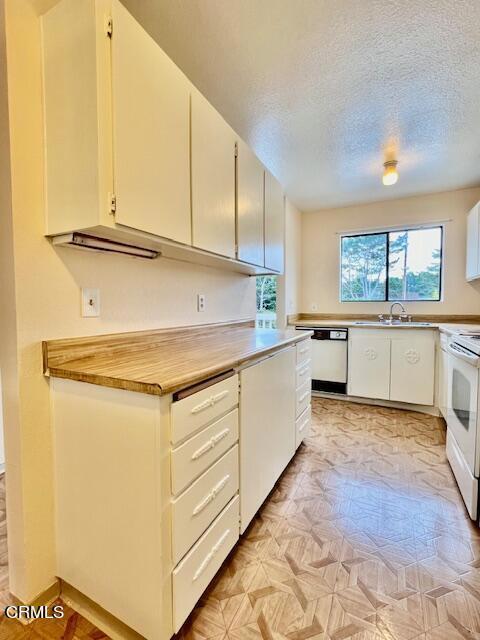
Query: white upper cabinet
274	224
250	205
135	154
412	376
213	179
473	243
77	182
151	137
369	365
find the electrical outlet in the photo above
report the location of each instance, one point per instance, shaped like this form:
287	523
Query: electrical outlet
314	306
90	303
201	302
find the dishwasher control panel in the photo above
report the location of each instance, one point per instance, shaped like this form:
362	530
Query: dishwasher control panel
338	335
327	333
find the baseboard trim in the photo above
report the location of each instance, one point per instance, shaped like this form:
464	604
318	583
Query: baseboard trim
95	614
431	411
46	597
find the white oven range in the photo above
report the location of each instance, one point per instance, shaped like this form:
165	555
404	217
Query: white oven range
463	421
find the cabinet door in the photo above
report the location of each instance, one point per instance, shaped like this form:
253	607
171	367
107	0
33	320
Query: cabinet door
151	133
213	179
267	428
473	240
369	366
274	224
412	370
250	185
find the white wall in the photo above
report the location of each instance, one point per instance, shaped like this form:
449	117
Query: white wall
42	285
321	255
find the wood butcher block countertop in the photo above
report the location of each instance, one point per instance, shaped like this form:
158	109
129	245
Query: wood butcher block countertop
165	360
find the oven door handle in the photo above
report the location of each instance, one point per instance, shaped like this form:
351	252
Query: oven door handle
458	352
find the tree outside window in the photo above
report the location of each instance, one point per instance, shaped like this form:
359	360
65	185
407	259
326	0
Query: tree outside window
396	265
266	302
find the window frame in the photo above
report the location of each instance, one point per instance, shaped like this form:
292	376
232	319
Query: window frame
387	233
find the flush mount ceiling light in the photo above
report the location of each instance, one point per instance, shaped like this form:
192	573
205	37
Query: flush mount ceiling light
390	173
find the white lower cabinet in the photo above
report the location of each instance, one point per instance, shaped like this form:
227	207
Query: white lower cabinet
197	506
174	473
193	574
412	376
396	364
368	365
267	431
303	397
302	426
195	456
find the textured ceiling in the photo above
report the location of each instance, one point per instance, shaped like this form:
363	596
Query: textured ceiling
319	88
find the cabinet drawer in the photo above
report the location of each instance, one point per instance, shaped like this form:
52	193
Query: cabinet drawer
304	394
195	509
196	570
304	373
199	409
302	426
303	351
193	457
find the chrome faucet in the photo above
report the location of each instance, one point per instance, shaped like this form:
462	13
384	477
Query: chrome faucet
400	316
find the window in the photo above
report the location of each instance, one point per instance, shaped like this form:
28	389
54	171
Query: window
392	265
266	302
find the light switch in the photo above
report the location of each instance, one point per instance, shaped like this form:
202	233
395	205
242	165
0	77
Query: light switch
90	303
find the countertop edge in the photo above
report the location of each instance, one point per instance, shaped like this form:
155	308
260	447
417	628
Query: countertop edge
174	385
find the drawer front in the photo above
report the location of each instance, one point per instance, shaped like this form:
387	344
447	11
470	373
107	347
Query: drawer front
196	570
195	456
192	413
303	351
302	426
304	394
304	373
196	508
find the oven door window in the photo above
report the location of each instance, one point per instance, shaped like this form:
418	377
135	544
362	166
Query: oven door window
462	408
461	398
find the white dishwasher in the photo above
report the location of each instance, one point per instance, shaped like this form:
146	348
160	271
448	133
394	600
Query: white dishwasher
329	359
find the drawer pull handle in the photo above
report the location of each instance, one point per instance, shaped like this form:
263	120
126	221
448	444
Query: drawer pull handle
215	549
211	496
210	444
304	350
305	423
209	402
303	372
304	396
